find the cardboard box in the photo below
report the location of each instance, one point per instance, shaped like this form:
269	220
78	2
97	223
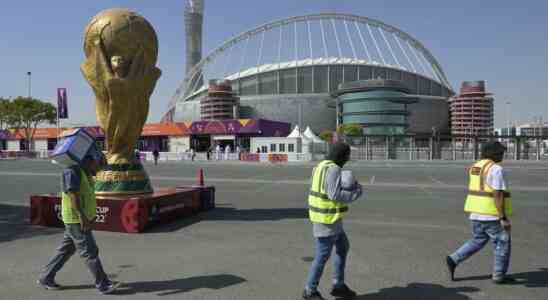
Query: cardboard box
73	147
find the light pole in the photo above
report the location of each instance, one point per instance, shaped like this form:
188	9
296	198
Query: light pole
337	112
508	117
538	126
541	125
29	74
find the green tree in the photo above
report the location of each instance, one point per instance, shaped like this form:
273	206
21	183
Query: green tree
350	129
326	135
5	106
27	113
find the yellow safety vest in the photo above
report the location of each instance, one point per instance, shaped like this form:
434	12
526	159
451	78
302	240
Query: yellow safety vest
480	197
321	209
87	201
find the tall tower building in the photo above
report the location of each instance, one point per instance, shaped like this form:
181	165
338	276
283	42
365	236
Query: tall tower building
472	110
221	102
194	17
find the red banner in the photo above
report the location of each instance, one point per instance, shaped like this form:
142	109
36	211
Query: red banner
250	157
276	158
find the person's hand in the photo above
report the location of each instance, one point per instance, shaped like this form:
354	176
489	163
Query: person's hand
506	224
86	224
359	189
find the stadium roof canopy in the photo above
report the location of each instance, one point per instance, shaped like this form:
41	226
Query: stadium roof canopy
312	40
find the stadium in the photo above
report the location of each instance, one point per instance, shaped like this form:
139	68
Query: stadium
291	71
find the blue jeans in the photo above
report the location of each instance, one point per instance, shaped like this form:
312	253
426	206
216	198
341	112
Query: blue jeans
76	239
482	231
324	246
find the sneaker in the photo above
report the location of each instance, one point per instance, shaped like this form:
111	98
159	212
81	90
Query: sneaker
108	287
451	266
503	280
48	285
343	291
307	295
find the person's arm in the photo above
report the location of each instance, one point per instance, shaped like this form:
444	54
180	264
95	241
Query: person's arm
499	203
498	184
71	186
333	187
76	205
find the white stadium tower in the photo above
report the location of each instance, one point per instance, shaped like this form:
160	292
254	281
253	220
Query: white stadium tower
290	70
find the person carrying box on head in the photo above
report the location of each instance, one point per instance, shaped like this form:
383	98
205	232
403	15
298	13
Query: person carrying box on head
78	210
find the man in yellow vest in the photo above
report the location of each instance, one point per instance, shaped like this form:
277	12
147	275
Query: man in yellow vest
327	203
78	209
489	204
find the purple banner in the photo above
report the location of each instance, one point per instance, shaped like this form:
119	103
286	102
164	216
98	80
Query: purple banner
257	127
4	135
62	107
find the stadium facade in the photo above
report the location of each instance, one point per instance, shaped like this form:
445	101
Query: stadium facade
289	70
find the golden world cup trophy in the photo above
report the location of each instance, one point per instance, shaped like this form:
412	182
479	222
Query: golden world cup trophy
121	51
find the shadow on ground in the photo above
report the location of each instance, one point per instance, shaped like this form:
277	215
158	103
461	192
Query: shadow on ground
535	279
422	291
174	286
15	224
234	214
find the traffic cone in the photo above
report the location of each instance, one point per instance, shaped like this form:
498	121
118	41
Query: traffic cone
201	177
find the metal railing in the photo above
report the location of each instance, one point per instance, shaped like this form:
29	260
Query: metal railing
443	147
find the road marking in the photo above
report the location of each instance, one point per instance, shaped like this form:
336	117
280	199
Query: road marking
372	180
405	224
427	191
436	181
299	182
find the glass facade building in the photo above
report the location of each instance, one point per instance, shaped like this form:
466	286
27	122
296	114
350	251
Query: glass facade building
379	106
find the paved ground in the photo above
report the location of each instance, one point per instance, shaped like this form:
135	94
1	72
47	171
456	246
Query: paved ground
258	243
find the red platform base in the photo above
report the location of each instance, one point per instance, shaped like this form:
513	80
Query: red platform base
132	213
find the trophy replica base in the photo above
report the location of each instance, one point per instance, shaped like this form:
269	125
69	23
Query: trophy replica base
131	213
126	179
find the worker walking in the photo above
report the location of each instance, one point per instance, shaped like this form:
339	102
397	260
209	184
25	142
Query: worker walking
78	210
490	206
156	155
218	151
327	203
228	150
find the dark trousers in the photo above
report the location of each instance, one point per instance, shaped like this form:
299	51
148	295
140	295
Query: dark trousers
76	239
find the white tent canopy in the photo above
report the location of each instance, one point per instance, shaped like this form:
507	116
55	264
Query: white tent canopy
309	134
296	133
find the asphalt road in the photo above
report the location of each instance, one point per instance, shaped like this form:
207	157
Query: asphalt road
258	243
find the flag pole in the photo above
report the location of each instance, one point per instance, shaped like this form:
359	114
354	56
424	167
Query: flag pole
57	118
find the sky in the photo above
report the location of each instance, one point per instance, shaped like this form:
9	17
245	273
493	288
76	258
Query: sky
503	42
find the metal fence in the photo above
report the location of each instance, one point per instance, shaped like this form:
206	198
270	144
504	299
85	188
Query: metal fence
20	154
443	147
